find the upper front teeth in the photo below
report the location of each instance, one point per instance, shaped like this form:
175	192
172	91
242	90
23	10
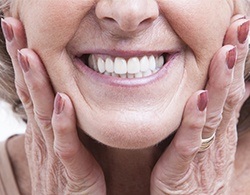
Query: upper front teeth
131	68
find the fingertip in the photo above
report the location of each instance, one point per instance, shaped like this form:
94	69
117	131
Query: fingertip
194	118
238	32
63	110
17	30
66	141
196	104
202	100
7	30
59	104
221	69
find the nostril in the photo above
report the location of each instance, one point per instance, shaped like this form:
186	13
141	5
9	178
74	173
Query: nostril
128	15
109	19
147	21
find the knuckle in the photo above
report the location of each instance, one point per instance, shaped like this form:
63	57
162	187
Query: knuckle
39	149
22	92
184	184
213	121
219	86
196	125
26	101
60	128
88	185
43	121
36	83
185	150
65	152
235	96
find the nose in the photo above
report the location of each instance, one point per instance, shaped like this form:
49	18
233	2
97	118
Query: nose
128	15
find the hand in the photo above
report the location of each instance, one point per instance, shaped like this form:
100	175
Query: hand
183	169
58	162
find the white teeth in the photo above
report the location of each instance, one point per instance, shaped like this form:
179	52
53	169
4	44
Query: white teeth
93	62
109	65
101	65
145	74
120	66
114	74
138	75
152	63
134	67
144	64
107	73
160	62
123	76
131	76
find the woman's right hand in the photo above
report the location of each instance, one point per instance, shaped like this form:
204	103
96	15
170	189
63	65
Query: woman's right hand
58	161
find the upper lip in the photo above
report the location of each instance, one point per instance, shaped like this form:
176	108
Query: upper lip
125	54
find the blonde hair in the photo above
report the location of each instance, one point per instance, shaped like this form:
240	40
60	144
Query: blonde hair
7	77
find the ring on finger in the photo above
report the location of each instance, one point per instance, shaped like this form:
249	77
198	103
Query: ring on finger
206	143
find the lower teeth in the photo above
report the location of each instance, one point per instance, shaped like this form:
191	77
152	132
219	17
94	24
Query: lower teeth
131	76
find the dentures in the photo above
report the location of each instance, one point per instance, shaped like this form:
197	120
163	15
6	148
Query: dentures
133	67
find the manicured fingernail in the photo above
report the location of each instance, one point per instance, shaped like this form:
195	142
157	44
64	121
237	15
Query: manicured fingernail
231	57
243	31
59	104
239	17
202	100
23	61
7	30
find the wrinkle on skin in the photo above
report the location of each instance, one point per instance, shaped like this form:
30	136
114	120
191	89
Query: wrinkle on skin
192	27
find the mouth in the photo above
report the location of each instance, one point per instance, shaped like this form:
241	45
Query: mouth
125	67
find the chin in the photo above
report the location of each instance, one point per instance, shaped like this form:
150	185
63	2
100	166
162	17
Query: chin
130	130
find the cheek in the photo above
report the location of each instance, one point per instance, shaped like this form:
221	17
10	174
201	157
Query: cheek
50	24
200	24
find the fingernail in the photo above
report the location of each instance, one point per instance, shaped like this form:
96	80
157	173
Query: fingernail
243	31
231	58
7	30
23	61
239	17
59	104
202	100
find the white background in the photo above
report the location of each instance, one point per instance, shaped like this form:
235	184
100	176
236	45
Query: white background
10	124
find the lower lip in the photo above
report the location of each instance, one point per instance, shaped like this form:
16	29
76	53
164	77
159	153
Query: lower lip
126	82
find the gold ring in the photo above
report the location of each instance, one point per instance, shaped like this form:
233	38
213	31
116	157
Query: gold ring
206	143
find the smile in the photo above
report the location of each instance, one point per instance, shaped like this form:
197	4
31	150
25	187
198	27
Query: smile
128	68
132	67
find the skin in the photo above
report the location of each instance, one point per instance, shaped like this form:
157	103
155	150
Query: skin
152	111
52	134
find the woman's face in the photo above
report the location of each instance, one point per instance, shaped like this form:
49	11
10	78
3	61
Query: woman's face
129	36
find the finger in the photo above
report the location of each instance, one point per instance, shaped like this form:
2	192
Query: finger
40	90
15	39
220	78
175	162
237	35
79	163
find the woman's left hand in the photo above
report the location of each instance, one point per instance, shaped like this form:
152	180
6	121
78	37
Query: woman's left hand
184	168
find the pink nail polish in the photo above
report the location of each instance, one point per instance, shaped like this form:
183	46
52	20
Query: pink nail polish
23	61
243	31
202	101
59	104
7	30
231	58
